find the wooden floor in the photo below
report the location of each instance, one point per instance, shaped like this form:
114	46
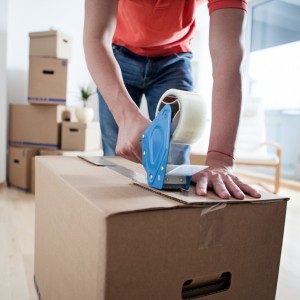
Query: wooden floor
17	247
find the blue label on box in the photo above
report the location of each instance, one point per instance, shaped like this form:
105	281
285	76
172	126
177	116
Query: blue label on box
37	288
54	146
64	62
19	187
40	99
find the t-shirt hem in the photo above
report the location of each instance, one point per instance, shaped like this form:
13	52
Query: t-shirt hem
148	52
227	4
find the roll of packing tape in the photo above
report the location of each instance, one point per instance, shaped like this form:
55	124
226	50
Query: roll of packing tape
188	115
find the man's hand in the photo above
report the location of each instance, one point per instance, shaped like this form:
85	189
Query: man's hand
131	129
223	182
219	177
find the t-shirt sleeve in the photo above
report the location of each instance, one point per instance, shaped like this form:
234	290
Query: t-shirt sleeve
219	4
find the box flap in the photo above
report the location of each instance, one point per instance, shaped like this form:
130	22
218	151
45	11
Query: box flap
186	197
115	194
119	194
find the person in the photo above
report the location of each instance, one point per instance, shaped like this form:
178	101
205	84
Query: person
136	47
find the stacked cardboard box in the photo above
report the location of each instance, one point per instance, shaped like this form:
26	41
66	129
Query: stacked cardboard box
50	52
38	124
80	136
19	167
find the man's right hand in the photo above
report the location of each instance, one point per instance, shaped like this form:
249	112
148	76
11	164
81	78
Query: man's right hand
131	129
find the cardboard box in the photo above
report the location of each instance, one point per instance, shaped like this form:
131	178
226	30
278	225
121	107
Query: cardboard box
32	189
99	236
50	43
198	159
37	125
80	136
59	152
20	167
47	80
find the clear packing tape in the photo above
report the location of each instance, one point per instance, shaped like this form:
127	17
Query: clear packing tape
211	225
188	115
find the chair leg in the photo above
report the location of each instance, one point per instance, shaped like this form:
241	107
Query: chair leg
277	179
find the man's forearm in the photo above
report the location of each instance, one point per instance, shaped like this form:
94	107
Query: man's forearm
99	27
226	107
226	49
108	78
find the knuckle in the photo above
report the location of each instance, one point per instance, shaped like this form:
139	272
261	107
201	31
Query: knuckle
215	176
235	178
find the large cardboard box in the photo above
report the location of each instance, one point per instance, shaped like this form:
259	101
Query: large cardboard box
98	235
60	152
80	136
37	125
20	167
50	43
47	80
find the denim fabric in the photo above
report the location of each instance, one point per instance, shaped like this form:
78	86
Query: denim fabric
151	76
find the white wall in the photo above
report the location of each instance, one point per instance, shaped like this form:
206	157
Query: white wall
3	99
34	15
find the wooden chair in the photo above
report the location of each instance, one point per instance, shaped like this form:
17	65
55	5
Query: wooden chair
251	145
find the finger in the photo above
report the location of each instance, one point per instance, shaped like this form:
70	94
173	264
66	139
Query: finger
128	153
201	186
133	157
136	158
219	187
247	188
234	189
138	152
135	154
125	155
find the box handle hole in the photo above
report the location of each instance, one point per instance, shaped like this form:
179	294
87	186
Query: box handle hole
196	288
16	161
73	129
65	41
66	116
48	72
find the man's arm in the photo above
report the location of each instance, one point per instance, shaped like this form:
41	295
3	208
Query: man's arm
99	27
226	48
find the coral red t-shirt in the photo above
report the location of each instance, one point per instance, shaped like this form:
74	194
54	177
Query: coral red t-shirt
161	27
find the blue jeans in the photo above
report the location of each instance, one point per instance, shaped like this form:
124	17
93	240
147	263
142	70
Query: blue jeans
149	76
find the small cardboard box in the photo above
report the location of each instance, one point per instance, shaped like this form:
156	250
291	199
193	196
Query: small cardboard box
99	235
80	136
47	82
50	43
38	125
20	167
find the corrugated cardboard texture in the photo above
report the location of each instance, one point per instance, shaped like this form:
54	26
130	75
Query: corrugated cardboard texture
20	167
98	236
47	80
51	43
80	136
37	125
